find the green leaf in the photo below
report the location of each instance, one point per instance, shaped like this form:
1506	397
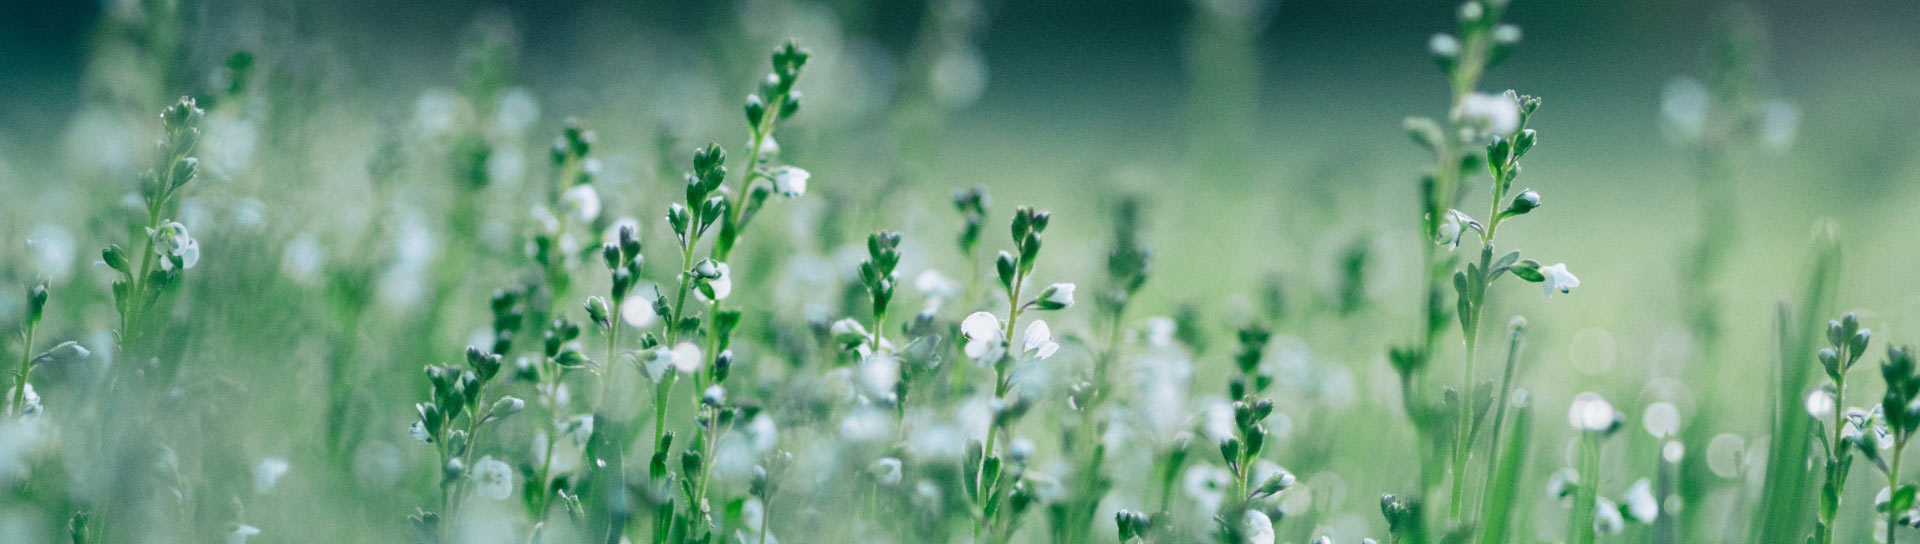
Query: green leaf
1529	270
1497	506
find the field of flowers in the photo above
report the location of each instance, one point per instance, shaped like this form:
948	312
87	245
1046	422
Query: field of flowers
770	270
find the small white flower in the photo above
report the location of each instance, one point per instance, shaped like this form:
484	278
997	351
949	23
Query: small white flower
687	358
879	373
1495	114
1160	331
1641	503
848	331
1020	449
267	472
654	363
31	400
1590	412
1606	517
886	471
1444	45
1207	485
1779	122
1057	297
1453	225
790	182
1557	279
241	533
932	283
1820	403
492	479
171	240
637	311
419	432
1038	341
581	202
722	285
578	428
1472	12
1257	528
1661	419
984	339
1560	485
769	147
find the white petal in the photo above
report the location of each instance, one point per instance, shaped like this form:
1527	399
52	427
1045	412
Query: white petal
1038	340
688	358
980	326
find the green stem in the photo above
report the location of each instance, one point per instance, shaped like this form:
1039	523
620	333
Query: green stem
766	518
26	367
1580	521
1834	478
1893	484
1500	414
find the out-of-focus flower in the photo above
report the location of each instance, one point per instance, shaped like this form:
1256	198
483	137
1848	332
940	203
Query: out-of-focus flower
789	181
492	479
267	472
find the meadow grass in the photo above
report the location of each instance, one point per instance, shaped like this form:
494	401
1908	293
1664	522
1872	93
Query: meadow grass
458	345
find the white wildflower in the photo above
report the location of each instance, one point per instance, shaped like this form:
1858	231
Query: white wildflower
172	241
1056	297
581	202
1820	403
241	533
1257	528
1661	419
1641	504
1557	279
1590	412
1606	517
789	181
1453	225
267	472
1494	114
885	471
985	342
687	358
722	284
1038	341
492	479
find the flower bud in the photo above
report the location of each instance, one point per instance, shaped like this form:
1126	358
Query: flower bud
1056	297
1525	202
507	406
598	312
36	303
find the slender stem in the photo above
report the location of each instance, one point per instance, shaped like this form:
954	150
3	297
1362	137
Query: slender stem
706	467
606	368
1000	389
26	367
766	518
546	461
662	392
1580	521
1893	484
1500	413
1833	452
680	301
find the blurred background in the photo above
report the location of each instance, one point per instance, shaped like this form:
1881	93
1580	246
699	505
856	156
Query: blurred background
1263	140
